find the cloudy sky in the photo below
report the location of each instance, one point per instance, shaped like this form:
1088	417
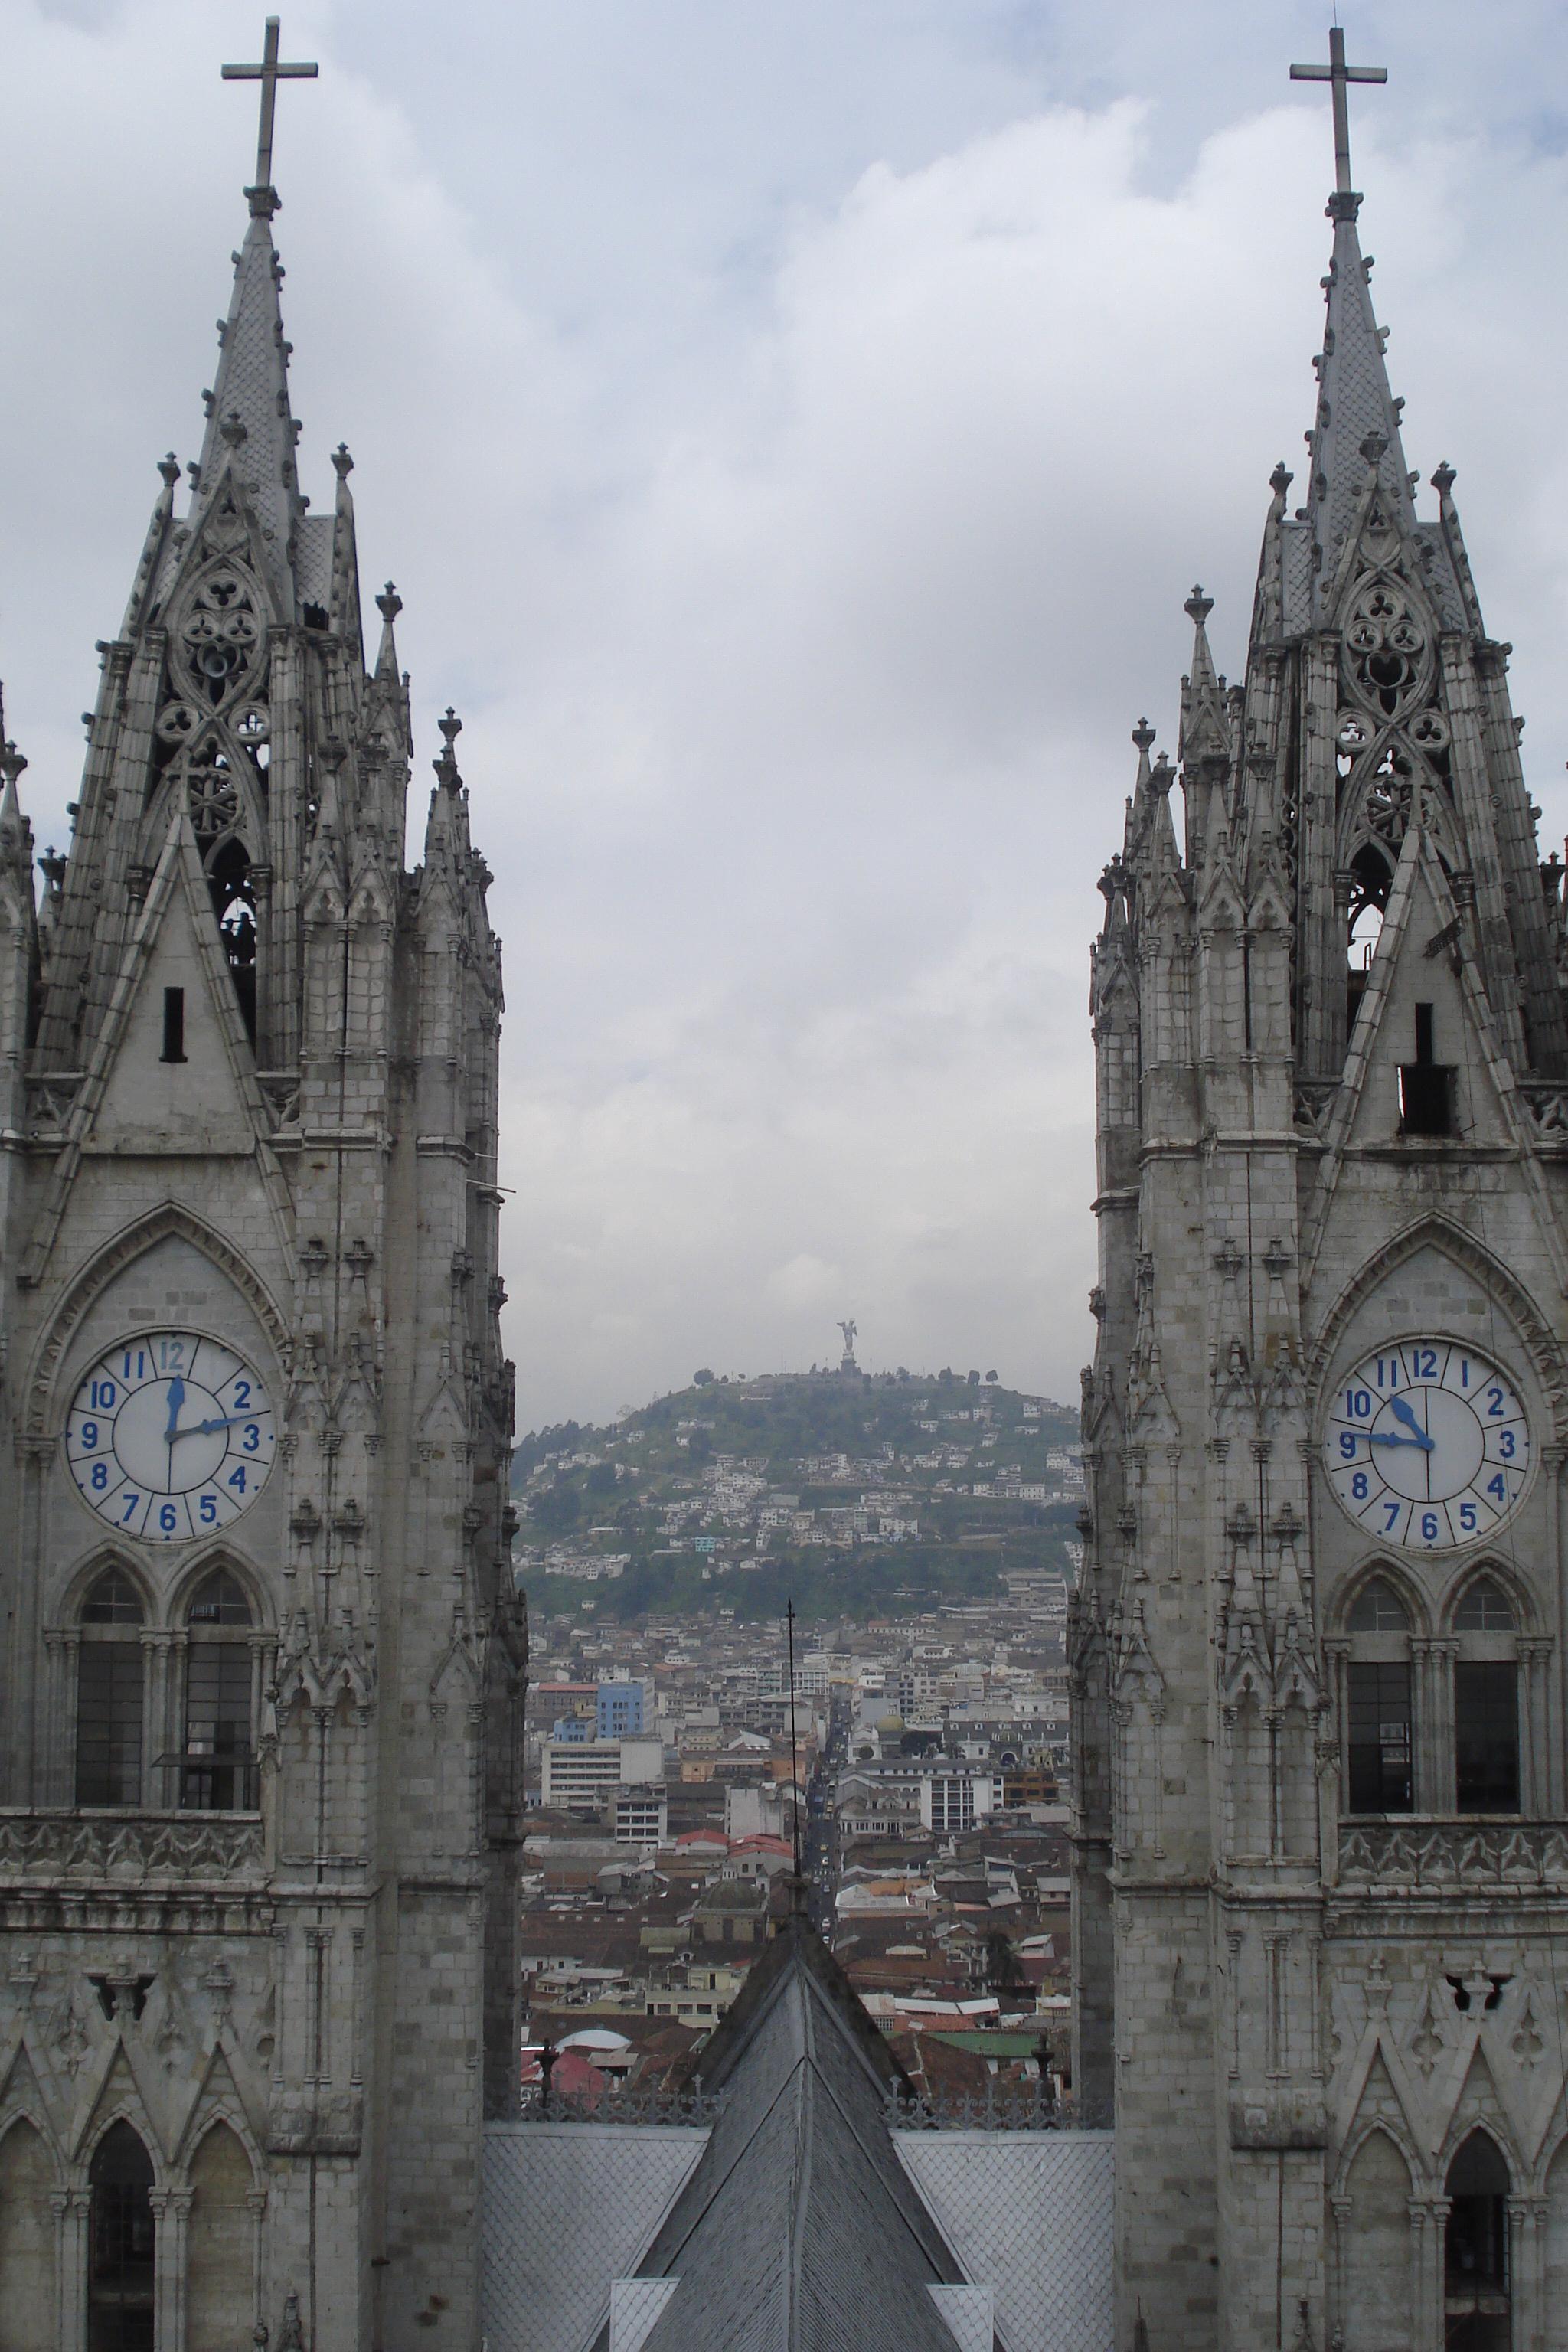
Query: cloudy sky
793	427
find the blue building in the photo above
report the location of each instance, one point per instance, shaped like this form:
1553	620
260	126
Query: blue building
620	1710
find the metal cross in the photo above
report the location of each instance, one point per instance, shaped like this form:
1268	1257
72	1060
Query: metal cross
269	73
1336	72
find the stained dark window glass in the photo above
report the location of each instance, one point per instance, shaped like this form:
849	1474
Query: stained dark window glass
1486	1736
108	1723
1380	1776
217	1766
120	2261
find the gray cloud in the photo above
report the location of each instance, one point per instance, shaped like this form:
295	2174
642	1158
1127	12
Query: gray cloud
793	432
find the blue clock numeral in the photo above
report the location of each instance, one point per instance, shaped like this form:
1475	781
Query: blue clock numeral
99	1476
1494	1404
1505	1444
1467	1518
1358	1404
1428	1527
1392	1521
1347	1444
1359	1488
1497	1487
236	1478
89	1435
131	1502
1425	1362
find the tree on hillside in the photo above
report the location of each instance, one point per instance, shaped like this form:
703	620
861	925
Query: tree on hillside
700	1378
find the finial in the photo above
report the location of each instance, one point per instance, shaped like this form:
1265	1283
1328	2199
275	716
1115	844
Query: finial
169	468
1373	448
1198	608
11	764
233	430
445	767
342	464
1143	735
389	603
1443	480
1280	479
1162	775
268	73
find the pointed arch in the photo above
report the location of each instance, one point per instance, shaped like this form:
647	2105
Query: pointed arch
220	1557
1377	2181
29	2178
169	1218
1397	1577
1506	1578
220	2287
1432	1229
121	2238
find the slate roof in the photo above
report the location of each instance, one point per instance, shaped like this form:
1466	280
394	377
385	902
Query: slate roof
800	2230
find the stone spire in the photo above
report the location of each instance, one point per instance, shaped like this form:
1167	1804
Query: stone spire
251	432
1356	433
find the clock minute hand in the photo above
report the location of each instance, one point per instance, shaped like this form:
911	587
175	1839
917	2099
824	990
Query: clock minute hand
1402	1413
205	1428
1390	1439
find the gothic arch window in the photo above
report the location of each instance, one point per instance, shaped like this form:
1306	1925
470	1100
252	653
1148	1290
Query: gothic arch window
1486	1700
110	1685
217	1757
121	2244
1476	2280
27	2240
1379	1742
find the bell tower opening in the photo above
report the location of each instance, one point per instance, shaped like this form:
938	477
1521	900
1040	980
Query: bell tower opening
233	902
1371	882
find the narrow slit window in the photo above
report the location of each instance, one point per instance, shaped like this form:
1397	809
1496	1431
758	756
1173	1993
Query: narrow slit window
174	1025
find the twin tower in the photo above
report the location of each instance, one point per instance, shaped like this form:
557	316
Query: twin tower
261	1737
260	1779
1319	1644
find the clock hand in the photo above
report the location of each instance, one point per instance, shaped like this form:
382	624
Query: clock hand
1402	1413
205	1428
176	1399
1424	1442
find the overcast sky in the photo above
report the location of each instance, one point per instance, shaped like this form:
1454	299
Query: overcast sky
793	427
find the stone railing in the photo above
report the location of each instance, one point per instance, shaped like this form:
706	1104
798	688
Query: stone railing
1453	1857
131	1848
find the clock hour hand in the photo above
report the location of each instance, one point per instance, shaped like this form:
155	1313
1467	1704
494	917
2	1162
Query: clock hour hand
176	1399
1402	1413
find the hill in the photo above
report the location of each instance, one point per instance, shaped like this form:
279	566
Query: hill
855	1493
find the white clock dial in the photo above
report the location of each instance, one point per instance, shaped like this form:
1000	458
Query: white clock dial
170	1436
1428	1444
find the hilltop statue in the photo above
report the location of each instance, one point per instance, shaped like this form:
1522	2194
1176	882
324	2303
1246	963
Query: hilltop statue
849	1329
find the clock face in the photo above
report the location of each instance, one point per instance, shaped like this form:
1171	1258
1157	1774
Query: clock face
1428	1444
170	1436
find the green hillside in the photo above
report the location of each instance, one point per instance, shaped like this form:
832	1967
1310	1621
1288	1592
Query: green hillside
858	1494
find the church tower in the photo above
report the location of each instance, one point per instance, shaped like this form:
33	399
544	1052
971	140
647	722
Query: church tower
263	1662
1318	1645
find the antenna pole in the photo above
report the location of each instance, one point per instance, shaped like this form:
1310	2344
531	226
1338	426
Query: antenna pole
794	1751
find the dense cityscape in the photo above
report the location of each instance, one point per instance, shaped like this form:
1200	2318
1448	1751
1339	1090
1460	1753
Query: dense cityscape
921	1766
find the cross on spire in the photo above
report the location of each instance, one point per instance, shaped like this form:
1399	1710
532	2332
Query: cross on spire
269	73
1339	74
